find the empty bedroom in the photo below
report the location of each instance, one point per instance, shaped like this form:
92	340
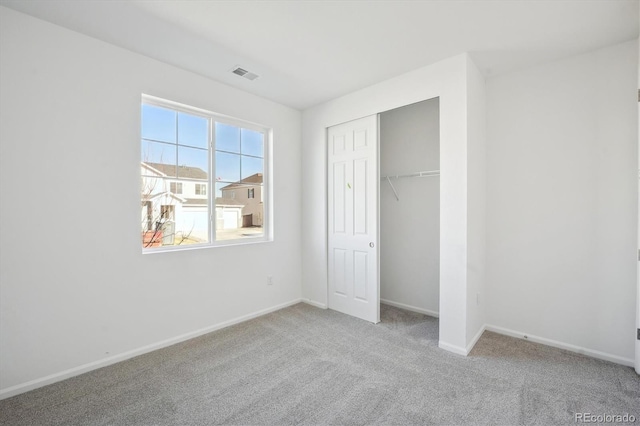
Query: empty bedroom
319	212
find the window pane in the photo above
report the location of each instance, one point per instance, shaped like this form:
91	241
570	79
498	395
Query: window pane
158	123
154	153
171	213
193	130
227	138
227	167
252	166
193	163
252	143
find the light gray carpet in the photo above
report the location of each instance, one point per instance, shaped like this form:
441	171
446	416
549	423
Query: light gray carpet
304	365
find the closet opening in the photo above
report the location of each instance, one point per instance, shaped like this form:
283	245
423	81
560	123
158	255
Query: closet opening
409	221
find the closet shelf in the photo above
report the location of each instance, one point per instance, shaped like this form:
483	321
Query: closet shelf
411	175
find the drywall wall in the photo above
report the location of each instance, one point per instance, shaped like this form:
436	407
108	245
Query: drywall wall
410	224
75	290
476	218
448	81
637	358
562	167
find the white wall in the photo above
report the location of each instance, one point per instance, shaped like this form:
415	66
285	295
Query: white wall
637	358
477	192
562	166
75	290
448	80
410	225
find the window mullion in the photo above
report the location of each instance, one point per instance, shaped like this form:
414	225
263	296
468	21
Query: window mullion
212	181
241	155
177	150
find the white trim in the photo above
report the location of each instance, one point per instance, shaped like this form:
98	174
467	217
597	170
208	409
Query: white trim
566	346
56	377
475	339
201	246
452	348
205	113
462	351
410	308
314	303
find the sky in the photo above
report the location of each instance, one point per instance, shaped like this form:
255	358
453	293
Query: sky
172	137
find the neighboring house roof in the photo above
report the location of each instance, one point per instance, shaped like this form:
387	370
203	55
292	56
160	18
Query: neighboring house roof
228	202
159	194
255	179
195	202
219	202
171	170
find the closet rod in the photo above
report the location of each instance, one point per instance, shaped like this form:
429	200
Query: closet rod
410	175
418	174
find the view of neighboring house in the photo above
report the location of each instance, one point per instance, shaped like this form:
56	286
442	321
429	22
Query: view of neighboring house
248	192
174	201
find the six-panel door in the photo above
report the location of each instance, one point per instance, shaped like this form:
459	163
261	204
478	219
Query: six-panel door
353	218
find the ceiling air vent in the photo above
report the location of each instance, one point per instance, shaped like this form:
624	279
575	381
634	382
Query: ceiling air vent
244	73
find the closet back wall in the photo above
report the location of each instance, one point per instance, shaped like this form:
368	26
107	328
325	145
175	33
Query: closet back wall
410	226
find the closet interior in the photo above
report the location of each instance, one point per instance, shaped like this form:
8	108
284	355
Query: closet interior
410	207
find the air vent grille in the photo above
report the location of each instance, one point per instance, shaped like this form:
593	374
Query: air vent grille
244	73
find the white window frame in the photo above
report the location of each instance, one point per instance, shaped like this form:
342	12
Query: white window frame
267	234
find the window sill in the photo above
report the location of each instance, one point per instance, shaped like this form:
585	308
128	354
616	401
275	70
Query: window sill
218	244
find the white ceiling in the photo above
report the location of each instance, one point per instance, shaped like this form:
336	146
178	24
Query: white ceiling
307	52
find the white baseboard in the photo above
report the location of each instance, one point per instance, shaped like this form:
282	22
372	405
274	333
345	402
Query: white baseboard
475	339
460	350
410	308
566	346
314	303
53	378
452	348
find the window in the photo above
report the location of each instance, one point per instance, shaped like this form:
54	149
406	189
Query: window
184	150
175	187
201	189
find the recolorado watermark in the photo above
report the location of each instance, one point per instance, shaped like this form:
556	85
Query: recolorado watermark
604	418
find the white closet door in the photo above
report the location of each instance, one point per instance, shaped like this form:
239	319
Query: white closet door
353	218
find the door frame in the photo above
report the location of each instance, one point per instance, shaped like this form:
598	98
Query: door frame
450	80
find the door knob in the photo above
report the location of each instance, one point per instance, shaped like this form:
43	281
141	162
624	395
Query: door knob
371	245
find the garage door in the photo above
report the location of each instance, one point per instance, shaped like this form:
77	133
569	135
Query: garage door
230	219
